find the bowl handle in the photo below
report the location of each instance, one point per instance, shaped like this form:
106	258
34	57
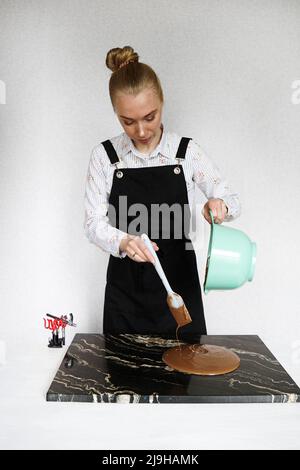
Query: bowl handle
211	216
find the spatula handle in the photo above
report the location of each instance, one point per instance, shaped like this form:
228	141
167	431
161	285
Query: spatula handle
157	264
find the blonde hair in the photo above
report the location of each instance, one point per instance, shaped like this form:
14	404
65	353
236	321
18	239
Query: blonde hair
129	75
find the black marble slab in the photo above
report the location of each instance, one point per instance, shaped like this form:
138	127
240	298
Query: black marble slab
129	369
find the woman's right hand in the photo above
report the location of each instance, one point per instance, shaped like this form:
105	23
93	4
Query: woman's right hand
136	249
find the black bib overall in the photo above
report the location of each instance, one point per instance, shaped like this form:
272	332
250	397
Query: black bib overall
135	298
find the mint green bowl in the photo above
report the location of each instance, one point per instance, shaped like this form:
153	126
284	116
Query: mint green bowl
231	258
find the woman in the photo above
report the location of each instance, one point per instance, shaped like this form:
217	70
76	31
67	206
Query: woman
146	166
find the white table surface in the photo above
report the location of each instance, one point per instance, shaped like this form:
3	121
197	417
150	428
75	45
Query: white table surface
28	421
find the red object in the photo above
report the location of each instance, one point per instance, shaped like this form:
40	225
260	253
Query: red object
54	324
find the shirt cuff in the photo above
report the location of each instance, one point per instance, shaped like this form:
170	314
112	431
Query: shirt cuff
234	208
228	215
117	240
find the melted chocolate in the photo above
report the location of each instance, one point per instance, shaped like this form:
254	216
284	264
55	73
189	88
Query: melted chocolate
206	269
201	359
196	359
181	314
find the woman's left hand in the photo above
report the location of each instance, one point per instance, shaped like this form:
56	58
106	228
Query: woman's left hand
218	208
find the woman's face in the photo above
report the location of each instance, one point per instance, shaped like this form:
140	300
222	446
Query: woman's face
140	117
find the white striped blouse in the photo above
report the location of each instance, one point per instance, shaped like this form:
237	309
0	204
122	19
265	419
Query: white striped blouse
198	169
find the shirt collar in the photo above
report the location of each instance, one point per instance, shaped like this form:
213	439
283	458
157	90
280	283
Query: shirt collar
162	148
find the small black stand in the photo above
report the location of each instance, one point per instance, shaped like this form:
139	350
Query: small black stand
55	342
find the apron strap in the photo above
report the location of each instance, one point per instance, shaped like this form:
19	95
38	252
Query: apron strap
113	157
182	147
110	150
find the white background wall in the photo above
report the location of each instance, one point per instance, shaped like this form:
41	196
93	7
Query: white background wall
227	70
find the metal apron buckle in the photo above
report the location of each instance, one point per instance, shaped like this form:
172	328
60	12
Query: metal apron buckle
177	169
119	173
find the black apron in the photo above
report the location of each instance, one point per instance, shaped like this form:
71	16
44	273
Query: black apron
135	297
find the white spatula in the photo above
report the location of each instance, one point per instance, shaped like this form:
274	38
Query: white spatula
174	300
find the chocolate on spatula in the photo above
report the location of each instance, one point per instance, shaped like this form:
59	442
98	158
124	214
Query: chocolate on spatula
178	309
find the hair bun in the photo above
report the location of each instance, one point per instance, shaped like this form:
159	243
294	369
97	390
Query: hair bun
117	57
